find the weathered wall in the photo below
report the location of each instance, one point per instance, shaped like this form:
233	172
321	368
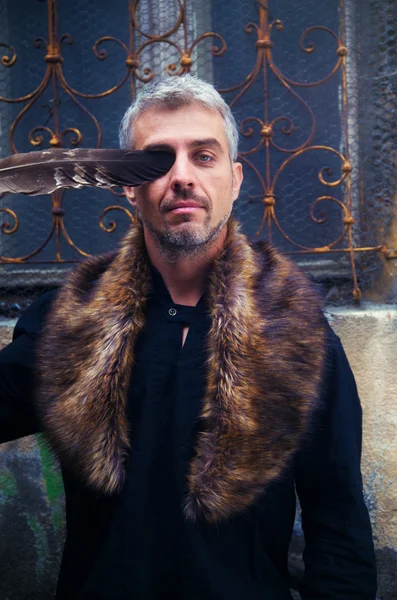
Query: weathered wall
31	516
31	498
369	336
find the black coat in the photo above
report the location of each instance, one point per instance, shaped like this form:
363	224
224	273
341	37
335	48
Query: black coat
252	547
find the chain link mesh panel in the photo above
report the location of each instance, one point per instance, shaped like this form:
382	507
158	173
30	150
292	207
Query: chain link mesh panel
373	134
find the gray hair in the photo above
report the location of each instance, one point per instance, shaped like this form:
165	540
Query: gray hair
173	93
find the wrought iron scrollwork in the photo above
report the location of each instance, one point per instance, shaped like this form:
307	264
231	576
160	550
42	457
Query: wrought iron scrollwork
273	133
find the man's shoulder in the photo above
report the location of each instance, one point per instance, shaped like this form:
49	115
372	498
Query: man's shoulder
32	320
84	276
282	284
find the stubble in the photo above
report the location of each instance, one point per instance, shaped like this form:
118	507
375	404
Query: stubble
186	240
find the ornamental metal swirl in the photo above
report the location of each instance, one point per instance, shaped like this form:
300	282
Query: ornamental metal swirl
137	71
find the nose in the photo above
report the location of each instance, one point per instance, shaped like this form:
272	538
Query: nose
182	175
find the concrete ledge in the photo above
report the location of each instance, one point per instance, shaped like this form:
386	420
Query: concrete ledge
6	329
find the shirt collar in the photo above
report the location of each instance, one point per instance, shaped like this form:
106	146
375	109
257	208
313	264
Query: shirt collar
161	295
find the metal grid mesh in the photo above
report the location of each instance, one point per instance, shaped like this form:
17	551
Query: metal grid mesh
298	185
371	38
374	54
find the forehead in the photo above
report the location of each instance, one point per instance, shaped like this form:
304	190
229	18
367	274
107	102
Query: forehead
179	126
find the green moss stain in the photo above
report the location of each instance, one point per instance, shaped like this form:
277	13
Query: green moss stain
52	481
41	545
8	485
52	477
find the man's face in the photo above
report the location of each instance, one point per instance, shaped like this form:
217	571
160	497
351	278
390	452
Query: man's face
189	206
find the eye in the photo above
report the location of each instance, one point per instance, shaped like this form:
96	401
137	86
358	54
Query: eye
205	158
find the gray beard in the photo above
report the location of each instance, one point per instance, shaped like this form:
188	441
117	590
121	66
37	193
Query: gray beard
175	245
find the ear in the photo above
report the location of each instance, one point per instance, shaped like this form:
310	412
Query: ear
130	195
237	179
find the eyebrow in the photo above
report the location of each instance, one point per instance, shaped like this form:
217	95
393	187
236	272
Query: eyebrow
206	142
193	144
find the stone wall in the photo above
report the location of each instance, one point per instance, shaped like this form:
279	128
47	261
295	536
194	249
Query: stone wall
31	494
369	336
31	515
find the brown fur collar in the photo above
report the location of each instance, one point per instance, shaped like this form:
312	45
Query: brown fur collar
265	360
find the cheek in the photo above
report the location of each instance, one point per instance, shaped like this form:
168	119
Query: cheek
223	190
148	195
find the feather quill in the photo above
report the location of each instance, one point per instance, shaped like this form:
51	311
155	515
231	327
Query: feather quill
44	172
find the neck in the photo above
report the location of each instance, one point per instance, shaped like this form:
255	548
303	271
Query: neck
186	278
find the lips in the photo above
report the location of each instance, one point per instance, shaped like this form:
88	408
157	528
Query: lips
181	205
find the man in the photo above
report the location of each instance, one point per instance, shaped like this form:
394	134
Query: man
189	384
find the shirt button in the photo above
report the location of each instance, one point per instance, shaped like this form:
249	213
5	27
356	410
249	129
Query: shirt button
172	312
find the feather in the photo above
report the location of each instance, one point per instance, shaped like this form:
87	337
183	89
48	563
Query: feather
43	172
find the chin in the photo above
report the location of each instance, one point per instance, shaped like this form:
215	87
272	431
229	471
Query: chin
188	224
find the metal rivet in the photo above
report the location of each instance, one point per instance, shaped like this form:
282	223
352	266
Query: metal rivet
172	312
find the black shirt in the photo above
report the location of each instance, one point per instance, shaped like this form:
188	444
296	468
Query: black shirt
164	406
148	549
